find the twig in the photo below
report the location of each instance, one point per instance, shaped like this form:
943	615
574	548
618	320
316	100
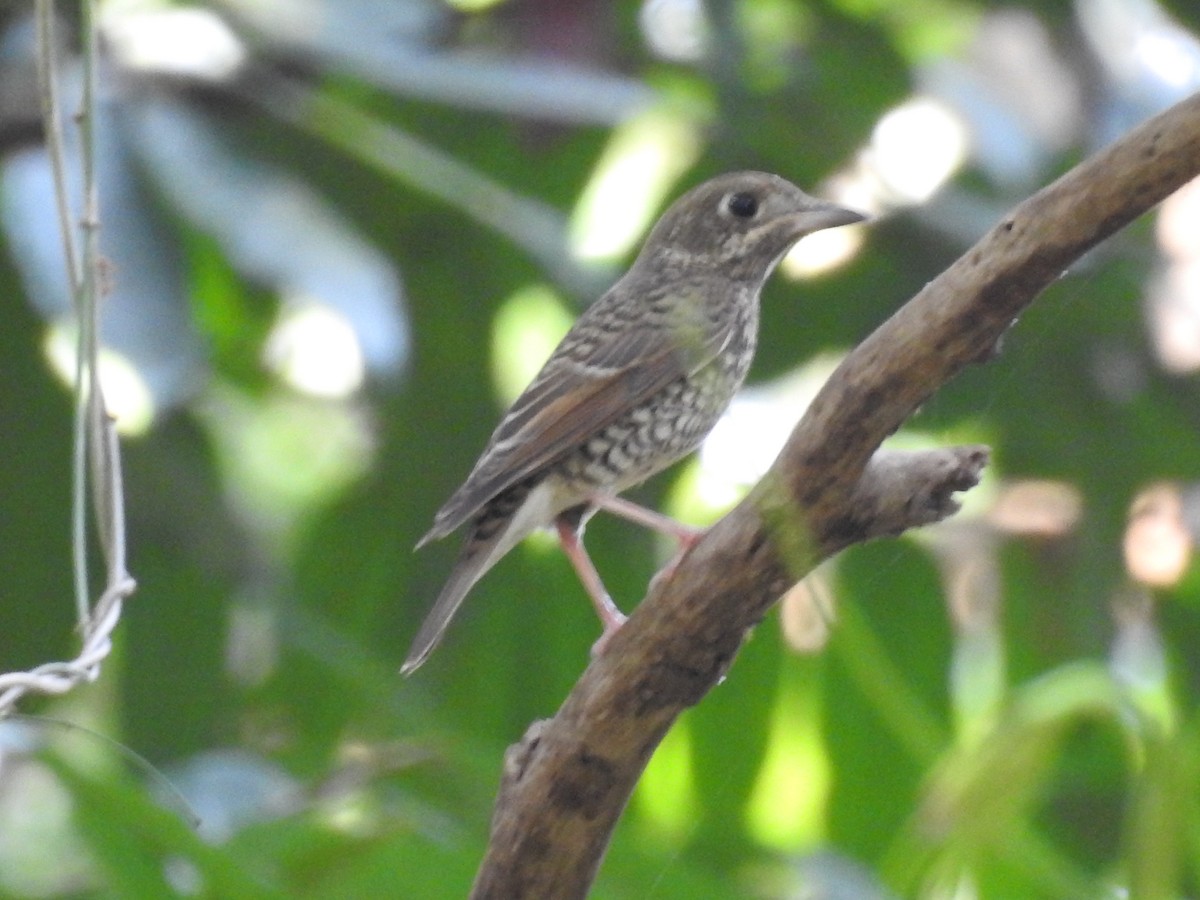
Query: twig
95	436
566	783
47	41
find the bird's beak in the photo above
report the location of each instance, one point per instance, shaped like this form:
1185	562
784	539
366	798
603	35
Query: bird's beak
823	215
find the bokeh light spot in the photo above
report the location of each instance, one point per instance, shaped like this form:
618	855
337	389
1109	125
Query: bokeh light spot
525	332
126	394
315	350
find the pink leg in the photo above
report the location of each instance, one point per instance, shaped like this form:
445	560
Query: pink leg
648	518
686	535
610	617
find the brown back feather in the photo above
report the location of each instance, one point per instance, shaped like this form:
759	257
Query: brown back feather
570	400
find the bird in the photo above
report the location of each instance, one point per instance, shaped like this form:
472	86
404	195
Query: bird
635	385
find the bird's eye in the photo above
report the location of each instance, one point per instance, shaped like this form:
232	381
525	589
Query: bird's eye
743	205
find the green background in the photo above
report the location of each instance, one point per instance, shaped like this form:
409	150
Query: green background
1046	750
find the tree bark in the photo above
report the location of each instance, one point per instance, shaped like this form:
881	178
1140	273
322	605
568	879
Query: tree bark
567	781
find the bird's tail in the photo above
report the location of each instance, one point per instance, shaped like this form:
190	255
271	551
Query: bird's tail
476	557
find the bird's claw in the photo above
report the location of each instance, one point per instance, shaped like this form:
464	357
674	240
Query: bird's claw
611	627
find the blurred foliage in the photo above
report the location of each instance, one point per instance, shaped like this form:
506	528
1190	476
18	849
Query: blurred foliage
1005	706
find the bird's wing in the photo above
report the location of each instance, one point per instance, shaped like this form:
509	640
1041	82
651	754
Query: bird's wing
577	395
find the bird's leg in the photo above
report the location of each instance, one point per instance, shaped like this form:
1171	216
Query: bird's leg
570	534
686	535
570	530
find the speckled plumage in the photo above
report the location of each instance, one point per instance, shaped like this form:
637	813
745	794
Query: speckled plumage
637	382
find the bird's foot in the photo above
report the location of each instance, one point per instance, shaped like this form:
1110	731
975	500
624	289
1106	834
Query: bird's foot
611	626
688	537
686	541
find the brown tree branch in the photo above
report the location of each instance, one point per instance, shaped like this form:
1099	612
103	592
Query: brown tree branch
566	783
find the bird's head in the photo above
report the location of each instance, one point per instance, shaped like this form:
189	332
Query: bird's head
738	224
